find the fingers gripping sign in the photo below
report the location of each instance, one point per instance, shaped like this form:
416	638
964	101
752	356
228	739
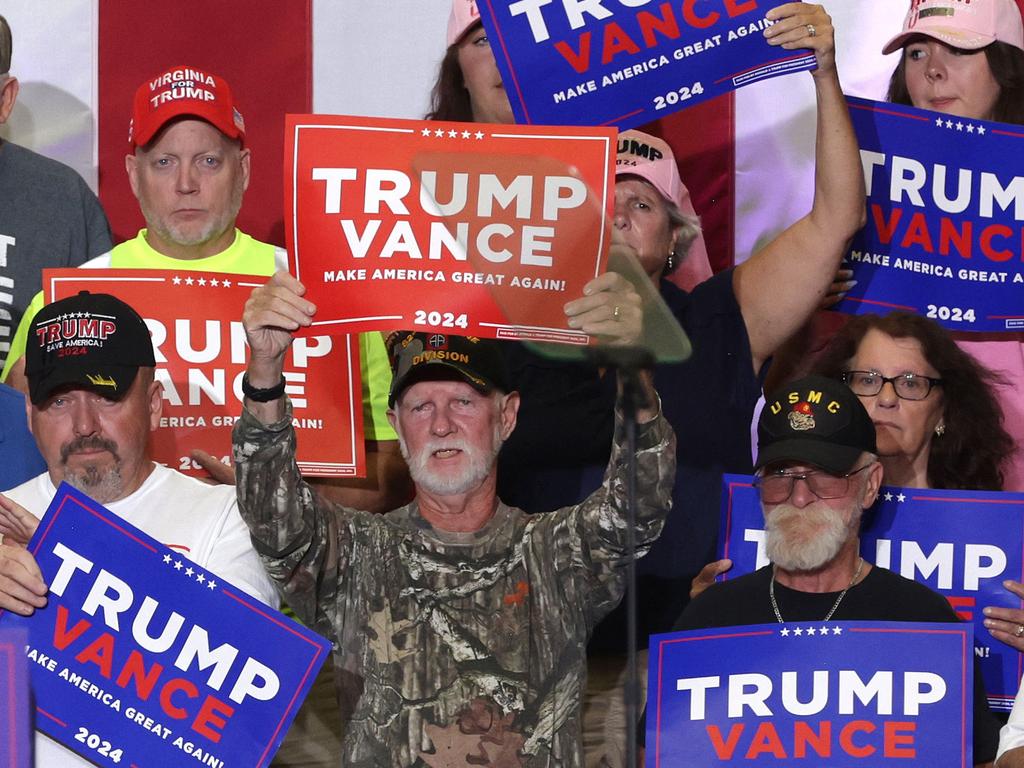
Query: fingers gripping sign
272	314
22	588
610	307
804	25
1007	624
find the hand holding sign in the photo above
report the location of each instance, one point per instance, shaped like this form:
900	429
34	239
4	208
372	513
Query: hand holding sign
22	588
272	312
610	306
1006	624
802	25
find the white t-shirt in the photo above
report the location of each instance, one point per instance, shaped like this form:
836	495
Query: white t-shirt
201	521
1011	735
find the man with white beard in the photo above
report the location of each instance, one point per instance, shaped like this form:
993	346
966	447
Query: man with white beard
817	471
459	624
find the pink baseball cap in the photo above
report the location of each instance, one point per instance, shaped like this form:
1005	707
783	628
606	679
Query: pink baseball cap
463	16
966	24
651	158
183	91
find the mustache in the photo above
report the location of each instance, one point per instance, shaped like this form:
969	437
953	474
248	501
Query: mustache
86	443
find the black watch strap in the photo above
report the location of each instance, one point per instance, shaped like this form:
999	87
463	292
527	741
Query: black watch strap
258	395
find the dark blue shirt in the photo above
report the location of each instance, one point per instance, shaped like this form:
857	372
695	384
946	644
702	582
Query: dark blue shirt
21	459
558	452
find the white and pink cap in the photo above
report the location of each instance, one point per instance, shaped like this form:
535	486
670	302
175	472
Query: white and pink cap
463	16
650	158
966	24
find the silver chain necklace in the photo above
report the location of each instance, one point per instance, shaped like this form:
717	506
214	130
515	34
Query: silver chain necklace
775	605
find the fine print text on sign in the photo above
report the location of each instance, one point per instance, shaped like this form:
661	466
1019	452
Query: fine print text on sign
945	218
143	658
473	229
628	62
15	730
821	694
962	544
195	319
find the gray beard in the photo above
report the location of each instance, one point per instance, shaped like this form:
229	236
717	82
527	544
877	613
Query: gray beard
102	486
480	465
806	539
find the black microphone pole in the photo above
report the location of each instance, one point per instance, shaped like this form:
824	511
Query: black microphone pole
628	362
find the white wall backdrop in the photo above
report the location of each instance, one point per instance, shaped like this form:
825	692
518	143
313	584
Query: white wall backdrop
376	57
55	63
775	122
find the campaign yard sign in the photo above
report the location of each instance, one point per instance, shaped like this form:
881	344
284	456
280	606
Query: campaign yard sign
195	319
945	218
15	728
142	658
818	693
628	62
472	229
962	544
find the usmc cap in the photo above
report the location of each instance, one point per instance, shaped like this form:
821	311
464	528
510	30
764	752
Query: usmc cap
817	421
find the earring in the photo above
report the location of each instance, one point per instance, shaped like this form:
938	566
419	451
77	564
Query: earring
940	429
670	262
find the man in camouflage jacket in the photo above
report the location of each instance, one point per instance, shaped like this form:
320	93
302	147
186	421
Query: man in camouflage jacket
461	622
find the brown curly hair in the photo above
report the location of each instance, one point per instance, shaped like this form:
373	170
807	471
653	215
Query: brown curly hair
1007	64
969	456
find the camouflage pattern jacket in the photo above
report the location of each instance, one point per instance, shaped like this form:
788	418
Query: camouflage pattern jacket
467	649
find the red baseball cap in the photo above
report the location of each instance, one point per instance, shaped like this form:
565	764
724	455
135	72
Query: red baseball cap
184	91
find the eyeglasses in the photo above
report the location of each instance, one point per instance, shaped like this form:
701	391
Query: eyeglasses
908	386
776	487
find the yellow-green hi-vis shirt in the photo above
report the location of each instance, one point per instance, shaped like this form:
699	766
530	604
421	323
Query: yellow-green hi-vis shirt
245	256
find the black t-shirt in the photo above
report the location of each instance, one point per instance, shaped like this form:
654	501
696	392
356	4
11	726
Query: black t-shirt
881	596
558	452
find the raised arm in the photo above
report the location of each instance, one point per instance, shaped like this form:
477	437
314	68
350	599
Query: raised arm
295	534
778	287
595	548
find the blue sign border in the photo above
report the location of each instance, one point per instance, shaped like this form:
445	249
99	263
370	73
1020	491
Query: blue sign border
256	727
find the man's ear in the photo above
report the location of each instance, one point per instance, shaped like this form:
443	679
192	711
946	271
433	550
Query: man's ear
509	413
131	166
874	483
28	415
8	95
156	404
244	159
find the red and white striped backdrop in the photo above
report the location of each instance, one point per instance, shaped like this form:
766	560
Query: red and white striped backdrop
746	159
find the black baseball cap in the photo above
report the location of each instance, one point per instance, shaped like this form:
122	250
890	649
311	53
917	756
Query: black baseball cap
419	356
91	341
817	421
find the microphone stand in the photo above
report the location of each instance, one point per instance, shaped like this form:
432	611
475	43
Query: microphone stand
628	362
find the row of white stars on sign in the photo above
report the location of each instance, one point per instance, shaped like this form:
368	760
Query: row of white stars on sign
960	126
201	281
900	497
451	133
190	571
786	631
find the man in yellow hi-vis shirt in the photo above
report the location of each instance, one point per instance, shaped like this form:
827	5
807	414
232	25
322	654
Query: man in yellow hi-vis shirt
189	168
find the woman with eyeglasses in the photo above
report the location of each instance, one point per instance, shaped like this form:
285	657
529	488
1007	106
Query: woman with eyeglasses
938	425
938	422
